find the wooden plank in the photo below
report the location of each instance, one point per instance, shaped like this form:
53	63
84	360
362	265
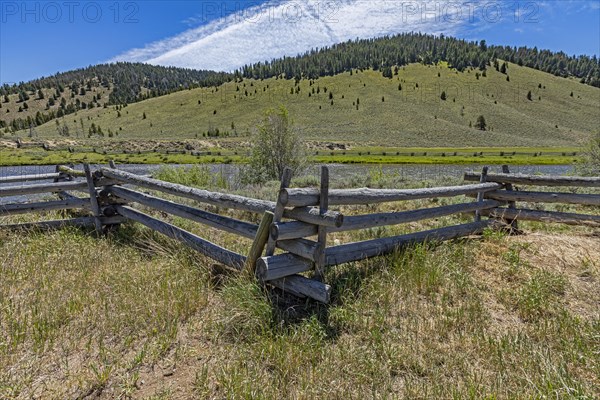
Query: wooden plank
295	230
67	204
537	180
282	265
211	250
259	243
482	179
23	190
286	178
313	216
289	230
396	218
93	199
544	216
311	196
301	286
28	178
82	222
322	235
371	248
546	197
226	224
304	248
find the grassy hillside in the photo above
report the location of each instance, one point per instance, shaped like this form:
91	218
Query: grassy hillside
385	116
14	108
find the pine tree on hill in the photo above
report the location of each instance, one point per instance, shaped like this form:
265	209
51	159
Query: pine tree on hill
481	123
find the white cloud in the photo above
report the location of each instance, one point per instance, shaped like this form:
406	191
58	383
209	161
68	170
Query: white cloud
286	28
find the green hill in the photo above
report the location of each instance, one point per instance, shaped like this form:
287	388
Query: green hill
31	104
561	112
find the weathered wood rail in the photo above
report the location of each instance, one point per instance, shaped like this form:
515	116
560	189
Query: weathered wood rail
514	195
299	222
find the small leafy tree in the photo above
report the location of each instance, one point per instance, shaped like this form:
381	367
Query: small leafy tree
529	96
277	145
591	158
443	96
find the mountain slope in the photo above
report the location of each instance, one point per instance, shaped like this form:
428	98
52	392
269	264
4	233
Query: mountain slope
31	104
413	116
40	100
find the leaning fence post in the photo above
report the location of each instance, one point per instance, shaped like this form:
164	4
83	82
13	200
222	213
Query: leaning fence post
514	225
260	240
286	178
480	195
93	199
322	230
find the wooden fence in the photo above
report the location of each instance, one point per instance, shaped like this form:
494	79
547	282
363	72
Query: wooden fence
296	217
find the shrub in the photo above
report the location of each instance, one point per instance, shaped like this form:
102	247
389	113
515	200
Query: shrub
591	158
276	146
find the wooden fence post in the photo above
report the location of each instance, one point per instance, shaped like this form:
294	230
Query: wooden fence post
322	230
480	195
514	225
260	240
286	178
93	199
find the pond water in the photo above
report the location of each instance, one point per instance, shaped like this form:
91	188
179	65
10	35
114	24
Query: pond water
338	172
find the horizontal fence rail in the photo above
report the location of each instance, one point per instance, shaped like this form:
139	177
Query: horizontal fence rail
28	178
81	222
294	230
299	222
275	267
537	180
545	197
226	224
544	216
23	190
310	197
67	204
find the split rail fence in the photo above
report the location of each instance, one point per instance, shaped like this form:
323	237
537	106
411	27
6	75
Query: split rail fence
299	222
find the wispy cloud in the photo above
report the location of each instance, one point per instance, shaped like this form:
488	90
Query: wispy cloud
286	28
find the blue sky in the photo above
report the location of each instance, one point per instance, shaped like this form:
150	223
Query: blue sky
44	37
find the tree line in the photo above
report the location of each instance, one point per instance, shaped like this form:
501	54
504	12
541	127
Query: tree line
389	52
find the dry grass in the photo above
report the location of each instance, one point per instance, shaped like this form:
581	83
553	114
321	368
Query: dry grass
136	316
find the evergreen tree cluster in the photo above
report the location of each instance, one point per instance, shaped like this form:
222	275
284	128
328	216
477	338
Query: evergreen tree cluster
127	80
387	53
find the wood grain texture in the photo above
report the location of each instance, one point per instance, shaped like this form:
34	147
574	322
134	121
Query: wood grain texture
311	196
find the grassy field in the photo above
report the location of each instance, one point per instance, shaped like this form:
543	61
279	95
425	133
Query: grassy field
134	315
358	155
384	115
